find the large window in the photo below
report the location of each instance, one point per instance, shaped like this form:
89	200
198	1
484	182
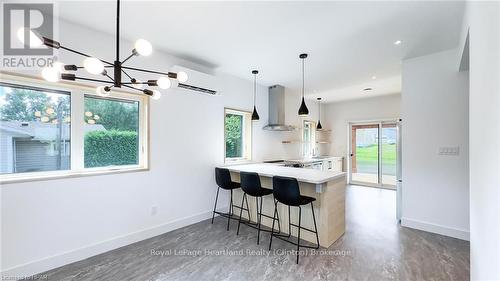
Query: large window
34	129
50	130
111	132
238	135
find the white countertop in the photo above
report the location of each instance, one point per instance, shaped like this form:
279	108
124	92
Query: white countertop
313	160
301	174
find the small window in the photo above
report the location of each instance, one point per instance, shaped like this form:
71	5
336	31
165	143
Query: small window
34	129
111	132
238	135
308	139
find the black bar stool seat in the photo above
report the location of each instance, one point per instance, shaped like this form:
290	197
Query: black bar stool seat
286	191
223	180
251	186
261	192
304	200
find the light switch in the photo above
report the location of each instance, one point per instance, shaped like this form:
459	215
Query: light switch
449	150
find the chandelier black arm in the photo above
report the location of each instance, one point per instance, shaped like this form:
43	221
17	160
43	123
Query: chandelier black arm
129	57
129	77
111	78
137	83
82	54
169	74
92	80
130	87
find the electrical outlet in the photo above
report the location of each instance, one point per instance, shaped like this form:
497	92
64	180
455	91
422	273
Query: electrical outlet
449	150
154	210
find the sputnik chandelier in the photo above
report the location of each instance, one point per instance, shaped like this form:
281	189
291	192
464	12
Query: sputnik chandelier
59	71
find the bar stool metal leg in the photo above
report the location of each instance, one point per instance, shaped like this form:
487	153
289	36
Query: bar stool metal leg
241	212
289	223
298	236
230	213
272	228
260	219
215	206
315	227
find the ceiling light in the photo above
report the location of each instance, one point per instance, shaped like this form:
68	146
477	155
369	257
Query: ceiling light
103	91
137	84
319	127
303	110
50	74
398	42
93	66
99	66
164	82
255	115
156	95
374	77
143	47
182	76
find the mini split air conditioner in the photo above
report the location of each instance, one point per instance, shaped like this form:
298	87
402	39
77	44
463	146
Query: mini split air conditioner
197	82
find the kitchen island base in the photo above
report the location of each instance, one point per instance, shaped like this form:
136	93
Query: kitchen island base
329	209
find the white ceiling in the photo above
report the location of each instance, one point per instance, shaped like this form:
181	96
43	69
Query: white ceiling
347	42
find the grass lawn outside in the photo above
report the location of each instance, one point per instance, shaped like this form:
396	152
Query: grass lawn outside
367	159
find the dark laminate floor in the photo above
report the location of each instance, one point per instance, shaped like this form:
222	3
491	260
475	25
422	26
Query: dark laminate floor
374	247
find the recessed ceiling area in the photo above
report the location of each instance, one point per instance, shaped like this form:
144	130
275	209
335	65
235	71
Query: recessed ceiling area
348	42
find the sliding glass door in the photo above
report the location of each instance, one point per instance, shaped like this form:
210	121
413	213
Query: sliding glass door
373	151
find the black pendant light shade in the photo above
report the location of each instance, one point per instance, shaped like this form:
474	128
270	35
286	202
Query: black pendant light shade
303	110
255	115
319	127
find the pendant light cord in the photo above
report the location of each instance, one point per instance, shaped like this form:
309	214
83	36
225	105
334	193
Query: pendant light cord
118	30
254	88
303	75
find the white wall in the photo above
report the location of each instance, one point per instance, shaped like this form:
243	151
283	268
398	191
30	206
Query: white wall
434	109
50	223
338	115
483	23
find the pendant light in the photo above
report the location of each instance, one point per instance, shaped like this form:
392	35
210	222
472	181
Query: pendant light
319	127
255	115
303	111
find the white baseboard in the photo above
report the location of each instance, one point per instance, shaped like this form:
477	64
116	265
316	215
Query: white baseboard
436	228
51	262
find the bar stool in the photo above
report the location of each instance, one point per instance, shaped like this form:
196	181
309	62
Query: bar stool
223	180
286	191
251	186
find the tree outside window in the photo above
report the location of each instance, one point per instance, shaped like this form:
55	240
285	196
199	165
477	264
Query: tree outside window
237	133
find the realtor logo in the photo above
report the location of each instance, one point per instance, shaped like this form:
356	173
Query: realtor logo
22	23
23	27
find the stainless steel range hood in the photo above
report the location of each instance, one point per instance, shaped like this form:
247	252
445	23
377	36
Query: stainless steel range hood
277	110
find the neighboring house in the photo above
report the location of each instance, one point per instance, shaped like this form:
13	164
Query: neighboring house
32	146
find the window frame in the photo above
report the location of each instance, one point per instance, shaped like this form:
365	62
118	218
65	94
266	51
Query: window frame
247	135
78	91
312	138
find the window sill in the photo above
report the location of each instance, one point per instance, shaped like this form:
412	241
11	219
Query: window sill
42	176
235	161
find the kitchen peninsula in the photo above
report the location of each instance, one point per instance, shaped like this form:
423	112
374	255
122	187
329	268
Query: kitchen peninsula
326	186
